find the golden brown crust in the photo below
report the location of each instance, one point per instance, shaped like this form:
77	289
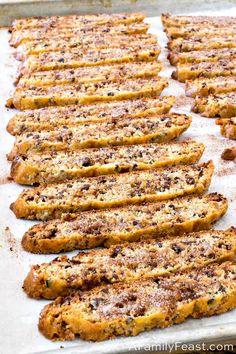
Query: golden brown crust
83	75
58	167
121	263
52	118
109	133
52	201
207	86
219	105
27	35
38	97
202	43
191	71
145	221
75	20
128	309
196	30
170	20
198	56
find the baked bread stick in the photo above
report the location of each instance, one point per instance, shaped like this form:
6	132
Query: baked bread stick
202	43
228	127
111	132
121	263
51	118
87	44
75	20
35	34
220	105
58	167
52	201
197	56
205	86
126	224
38	97
133	307
170	20
83	75
201	31
191	71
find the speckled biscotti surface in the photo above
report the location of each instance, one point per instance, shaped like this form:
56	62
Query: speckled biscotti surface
170	20
133	307
191	71
192	30
126	224
111	132
26	35
228	127
52	201
200	43
219	105
76	20
198	56
206	86
115	72
58	167
52	118
121	263
87	44
38	97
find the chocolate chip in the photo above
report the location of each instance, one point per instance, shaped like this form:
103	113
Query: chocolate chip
177	249
110	94
61	60
190	180
86	162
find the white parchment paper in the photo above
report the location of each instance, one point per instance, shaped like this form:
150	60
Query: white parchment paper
19	314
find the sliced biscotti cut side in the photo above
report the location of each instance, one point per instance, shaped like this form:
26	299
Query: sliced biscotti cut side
38	97
196	30
207	86
111	132
27	35
220	105
121	263
133	307
126	224
58	167
98	46
201	43
170	20
76	20
198	56
191	71
115	72
228	127
51	118
52	201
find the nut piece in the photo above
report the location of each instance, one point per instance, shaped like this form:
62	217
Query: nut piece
229	154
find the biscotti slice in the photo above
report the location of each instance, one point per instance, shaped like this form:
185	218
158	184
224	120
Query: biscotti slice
35	34
95	43
111	132
75	20
133	307
191	71
198	56
38	97
228	127
196	30
126	224
52	118
58	167
121	263
201	43
205	87
52	201
115	72
170	20
221	105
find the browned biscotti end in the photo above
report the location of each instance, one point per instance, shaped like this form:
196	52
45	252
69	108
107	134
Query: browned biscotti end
51	323
173	58
32	285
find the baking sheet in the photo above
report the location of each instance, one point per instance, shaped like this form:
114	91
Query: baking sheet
19	314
